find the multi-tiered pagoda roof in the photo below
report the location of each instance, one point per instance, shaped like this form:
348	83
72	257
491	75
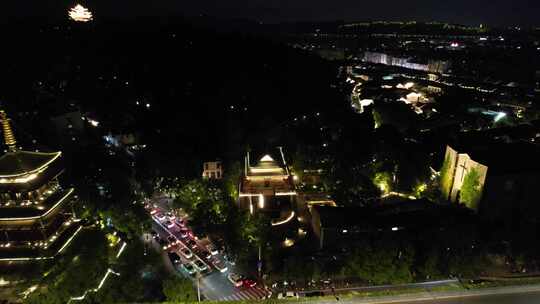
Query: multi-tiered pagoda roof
36	218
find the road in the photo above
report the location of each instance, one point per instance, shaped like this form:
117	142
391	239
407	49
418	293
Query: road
521	298
214	285
527	294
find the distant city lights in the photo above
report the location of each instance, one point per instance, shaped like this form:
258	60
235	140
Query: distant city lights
80	13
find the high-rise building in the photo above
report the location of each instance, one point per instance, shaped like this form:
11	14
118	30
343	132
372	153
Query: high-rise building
36	217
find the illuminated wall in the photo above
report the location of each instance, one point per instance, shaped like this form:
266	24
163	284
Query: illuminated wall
457	169
433	66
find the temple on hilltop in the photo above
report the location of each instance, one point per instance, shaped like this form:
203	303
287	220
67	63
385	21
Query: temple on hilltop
36	217
265	181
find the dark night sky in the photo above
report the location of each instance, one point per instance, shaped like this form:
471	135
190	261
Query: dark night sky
470	12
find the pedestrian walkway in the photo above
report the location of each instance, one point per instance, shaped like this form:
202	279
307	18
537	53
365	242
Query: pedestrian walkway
254	293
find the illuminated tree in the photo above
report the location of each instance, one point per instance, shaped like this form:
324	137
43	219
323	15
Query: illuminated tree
445	178
471	191
383	180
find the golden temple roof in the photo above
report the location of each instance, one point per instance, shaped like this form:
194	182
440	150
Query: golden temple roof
17	166
9	138
19	163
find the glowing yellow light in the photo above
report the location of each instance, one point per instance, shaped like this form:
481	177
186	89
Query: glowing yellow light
44	214
80	14
261	201
267	158
285	193
266	170
42	168
19	180
288	219
3	282
288	242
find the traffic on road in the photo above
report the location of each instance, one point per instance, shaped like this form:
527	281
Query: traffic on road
199	259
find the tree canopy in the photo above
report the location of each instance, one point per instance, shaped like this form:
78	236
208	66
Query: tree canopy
179	290
471	191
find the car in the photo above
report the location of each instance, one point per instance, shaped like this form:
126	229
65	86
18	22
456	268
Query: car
288	295
174	257
191	243
184	233
173	240
170	216
154	234
163	243
200	265
219	265
206	254
186	252
154	211
180	222
248	283
235	279
188	267
169	224
212	249
229	260
160	216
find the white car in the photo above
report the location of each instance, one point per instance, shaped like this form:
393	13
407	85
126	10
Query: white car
170	216
171	241
169	224
200	265
186	253
287	295
219	265
188	267
161	217
212	249
235	279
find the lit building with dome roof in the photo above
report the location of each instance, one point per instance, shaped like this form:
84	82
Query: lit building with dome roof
36	218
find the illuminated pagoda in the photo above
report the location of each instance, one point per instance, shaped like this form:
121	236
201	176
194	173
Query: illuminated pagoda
36	218
80	13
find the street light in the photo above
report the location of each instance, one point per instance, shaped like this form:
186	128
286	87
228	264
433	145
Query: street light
198	287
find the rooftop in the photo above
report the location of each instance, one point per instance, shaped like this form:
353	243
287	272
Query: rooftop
266	166
18	166
51	202
18	163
